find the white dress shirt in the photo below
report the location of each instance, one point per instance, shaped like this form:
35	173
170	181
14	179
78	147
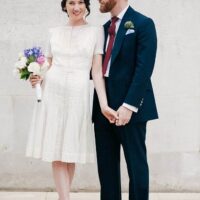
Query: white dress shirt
120	16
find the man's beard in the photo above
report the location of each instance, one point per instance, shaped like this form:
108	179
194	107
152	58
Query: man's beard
108	6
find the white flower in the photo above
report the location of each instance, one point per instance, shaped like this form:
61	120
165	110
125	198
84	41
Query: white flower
21	63
129	25
23	59
35	68
20	55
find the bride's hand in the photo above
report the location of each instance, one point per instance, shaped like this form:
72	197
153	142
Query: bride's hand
34	79
110	114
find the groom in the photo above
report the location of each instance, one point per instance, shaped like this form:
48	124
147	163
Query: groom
129	56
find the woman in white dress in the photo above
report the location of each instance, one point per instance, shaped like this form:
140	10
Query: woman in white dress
61	131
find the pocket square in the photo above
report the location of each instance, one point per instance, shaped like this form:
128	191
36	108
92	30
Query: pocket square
129	31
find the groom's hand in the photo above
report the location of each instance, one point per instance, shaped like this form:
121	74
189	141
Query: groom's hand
110	114
124	115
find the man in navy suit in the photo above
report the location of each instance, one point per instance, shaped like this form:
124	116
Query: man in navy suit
128	62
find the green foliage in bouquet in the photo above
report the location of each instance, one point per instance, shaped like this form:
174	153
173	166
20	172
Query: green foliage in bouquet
31	59
24	73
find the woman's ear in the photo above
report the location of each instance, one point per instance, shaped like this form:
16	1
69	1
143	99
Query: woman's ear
86	13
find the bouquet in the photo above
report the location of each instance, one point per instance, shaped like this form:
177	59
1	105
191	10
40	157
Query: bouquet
32	61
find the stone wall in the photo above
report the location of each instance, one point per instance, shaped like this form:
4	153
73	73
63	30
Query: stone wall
173	141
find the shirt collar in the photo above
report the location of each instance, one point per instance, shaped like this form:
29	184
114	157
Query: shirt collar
122	13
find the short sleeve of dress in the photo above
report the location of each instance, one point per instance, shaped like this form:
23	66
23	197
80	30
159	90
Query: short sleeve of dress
99	40
48	52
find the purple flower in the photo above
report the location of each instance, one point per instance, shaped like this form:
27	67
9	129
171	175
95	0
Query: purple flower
28	53
35	51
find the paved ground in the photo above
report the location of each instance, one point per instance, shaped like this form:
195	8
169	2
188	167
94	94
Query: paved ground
91	196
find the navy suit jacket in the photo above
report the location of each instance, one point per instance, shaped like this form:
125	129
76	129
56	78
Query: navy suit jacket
132	63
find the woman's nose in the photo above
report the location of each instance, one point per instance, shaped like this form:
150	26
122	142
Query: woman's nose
76	7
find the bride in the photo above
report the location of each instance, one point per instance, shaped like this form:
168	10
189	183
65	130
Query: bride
61	131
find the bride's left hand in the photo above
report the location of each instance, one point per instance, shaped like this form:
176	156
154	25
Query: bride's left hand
110	114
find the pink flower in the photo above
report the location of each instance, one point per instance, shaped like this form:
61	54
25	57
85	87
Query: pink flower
41	60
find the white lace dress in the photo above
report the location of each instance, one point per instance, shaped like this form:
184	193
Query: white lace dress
61	129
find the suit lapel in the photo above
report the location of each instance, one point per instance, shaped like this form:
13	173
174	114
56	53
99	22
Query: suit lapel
106	26
120	34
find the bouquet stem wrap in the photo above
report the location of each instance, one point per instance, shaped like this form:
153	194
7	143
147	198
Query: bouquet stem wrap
38	91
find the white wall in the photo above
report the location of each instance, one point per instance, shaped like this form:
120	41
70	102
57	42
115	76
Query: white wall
173	141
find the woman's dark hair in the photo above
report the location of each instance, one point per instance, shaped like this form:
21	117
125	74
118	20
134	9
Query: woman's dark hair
87	4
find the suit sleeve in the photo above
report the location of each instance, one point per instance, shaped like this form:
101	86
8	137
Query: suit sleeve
145	59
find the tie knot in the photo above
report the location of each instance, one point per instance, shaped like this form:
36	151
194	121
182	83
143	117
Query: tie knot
111	29
114	19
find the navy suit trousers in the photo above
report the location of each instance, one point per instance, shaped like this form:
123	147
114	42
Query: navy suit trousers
109	140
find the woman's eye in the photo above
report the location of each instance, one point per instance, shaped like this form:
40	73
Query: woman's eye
71	3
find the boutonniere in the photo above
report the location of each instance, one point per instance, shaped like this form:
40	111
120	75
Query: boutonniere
129	25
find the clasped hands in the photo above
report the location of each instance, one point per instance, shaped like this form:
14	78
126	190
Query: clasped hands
120	117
